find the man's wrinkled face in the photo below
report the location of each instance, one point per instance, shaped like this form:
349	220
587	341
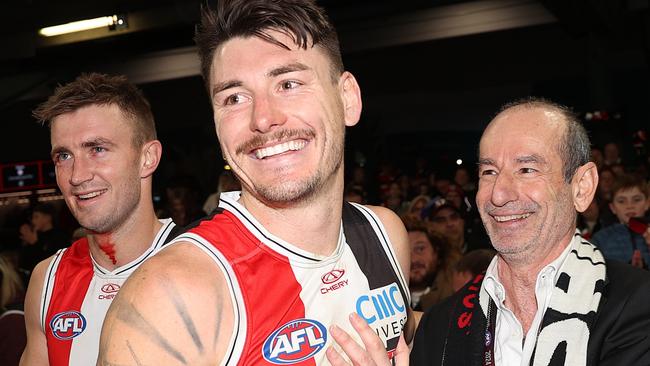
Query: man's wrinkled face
525	204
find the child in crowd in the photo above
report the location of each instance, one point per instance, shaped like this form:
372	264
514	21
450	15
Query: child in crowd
618	241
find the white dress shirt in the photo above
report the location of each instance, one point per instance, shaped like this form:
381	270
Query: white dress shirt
510	346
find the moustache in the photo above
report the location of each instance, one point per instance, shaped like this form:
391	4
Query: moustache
280	135
509	207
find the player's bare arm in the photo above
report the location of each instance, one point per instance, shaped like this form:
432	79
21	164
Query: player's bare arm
399	238
36	349
174	310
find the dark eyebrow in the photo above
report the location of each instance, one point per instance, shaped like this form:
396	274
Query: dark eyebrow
292	67
219	87
96	142
57	150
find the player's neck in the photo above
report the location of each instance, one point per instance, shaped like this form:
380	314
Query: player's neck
313	225
127	242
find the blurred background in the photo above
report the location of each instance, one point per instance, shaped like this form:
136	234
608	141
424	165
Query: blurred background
432	75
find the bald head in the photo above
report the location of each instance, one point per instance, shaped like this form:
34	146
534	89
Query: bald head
557	123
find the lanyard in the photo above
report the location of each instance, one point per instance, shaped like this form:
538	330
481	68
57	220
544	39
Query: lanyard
490	336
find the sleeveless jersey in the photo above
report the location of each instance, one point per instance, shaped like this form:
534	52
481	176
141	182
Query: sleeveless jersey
76	295
285	299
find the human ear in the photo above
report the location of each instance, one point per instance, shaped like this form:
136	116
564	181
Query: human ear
351	96
584	184
150	158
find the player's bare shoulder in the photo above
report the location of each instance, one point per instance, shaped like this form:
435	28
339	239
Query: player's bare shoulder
35	352
175	309
393	225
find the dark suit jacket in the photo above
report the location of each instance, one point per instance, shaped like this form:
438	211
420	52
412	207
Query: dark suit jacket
620	335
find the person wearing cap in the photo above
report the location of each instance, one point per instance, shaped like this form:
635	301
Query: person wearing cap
448	220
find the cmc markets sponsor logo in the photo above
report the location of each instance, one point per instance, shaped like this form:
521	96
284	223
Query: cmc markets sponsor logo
331	278
295	341
109	291
384	310
67	325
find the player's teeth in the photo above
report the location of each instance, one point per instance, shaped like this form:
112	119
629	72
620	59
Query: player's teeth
90	195
279	148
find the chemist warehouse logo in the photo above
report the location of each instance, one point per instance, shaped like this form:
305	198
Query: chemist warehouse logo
295	341
67	325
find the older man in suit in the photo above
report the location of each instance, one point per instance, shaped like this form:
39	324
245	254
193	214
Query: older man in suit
549	297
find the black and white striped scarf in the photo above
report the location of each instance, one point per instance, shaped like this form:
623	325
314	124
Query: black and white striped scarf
564	331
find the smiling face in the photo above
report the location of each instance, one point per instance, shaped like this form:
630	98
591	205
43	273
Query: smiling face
280	117
627	203
97	166
525	204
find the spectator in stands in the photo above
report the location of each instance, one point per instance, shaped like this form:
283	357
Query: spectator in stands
617	241
612	154
618	169
606	178
471	265
416	206
393	198
597	157
182	201
431	263
589	221
463	179
447	220
41	238
12	317
227	183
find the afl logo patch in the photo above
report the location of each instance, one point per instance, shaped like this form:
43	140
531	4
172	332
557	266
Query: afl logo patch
295	341
332	276
67	325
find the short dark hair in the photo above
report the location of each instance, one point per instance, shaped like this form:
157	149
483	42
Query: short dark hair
438	242
628	181
574	148
101	89
305	22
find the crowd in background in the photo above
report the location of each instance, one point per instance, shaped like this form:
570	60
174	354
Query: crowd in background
449	245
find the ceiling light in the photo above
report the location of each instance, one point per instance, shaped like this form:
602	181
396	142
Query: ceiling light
82	25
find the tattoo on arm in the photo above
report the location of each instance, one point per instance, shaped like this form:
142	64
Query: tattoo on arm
219	309
133	355
181	309
127	313
132	317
